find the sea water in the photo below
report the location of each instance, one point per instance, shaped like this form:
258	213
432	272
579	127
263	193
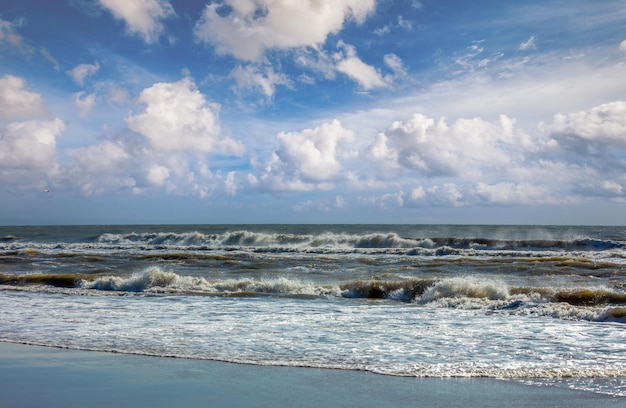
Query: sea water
539	304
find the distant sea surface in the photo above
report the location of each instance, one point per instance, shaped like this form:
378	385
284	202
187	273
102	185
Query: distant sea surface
538	304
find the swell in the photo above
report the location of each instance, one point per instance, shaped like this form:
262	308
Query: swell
354	241
48	279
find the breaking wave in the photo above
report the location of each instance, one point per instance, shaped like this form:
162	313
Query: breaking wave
155	279
590	303
345	241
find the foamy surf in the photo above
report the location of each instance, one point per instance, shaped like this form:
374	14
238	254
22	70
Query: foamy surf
594	304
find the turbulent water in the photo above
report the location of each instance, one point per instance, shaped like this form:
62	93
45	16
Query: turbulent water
544	305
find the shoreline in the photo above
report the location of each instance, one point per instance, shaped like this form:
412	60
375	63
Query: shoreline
56	377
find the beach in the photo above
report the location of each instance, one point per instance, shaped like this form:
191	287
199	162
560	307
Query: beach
34	376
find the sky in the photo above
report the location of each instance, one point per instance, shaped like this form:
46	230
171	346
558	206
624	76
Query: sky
312	111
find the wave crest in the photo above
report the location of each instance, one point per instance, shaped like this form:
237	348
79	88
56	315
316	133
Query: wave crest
465	287
155	279
339	241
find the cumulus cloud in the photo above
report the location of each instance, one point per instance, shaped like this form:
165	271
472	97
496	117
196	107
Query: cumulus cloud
106	157
604	124
593	144
142	17
157	174
622	46
178	118
29	145
16	102
306	160
509	192
27	148
123	164
576	158
467	148
247	28
82	71
96	169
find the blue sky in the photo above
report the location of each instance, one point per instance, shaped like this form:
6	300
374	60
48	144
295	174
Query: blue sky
338	111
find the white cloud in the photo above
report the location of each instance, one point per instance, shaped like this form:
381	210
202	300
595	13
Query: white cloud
397	67
142	17
122	164
157	174
84	102
116	165
29	145
447	194
346	61
467	148
395	63
622	46
178	118
255	77
312	153
306	160
16	102
350	64
383	30
27	148
528	45
513	193
317	61
613	187
576	158
604	124
82	71
247	28
108	157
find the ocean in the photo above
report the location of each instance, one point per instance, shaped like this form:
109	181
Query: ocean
543	305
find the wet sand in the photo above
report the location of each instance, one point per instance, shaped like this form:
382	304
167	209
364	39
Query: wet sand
32	376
